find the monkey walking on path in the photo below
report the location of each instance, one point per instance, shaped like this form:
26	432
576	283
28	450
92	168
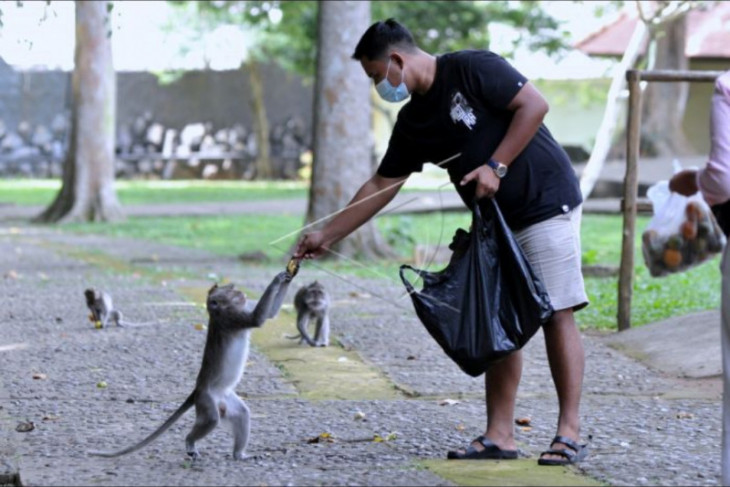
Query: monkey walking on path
232	318
312	303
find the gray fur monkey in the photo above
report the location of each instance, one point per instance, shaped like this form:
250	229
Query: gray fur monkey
232	318
102	309
312	302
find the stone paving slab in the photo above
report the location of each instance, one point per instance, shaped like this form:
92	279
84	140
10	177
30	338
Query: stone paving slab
634	413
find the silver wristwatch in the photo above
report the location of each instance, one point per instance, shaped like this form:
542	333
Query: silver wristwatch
499	169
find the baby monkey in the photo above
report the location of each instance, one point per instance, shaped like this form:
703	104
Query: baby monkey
102	309
312	303
232	317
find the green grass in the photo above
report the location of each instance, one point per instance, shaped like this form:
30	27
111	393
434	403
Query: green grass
41	192
653	298
226	235
25	192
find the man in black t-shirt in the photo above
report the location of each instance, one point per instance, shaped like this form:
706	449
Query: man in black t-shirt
474	110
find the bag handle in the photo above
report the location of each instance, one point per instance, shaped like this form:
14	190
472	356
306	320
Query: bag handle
406	282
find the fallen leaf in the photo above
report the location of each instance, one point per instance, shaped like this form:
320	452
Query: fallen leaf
448	402
685	415
389	437
460	427
523	421
51	417
24	427
11	274
356	294
359	415
39	376
199	326
42	276
526	429
411	357
102	384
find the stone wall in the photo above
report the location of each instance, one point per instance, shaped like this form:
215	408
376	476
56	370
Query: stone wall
161	126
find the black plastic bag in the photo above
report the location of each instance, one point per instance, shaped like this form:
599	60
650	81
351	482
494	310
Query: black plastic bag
487	302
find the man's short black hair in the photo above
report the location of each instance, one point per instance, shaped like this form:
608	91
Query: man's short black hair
380	37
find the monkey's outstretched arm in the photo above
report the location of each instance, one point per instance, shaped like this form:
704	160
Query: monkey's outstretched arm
279	298
271	300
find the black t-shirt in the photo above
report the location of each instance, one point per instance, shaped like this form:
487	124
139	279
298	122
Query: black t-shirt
465	111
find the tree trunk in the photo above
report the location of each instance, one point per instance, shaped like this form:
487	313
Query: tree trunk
342	119
87	192
261	122
664	103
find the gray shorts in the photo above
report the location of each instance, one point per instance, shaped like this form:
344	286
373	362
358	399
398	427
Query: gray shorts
553	249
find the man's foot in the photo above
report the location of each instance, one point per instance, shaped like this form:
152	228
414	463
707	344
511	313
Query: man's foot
563	451
482	448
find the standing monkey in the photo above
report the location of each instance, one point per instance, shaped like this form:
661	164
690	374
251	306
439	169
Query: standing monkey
232	318
312	304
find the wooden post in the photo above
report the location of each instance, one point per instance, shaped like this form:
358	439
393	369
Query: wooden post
631	183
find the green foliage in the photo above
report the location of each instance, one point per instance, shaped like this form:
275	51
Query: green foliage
288	29
451	25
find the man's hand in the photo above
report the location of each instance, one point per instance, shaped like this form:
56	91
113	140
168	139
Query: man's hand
311	245
684	182
487	181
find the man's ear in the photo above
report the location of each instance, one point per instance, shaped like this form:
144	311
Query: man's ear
396	58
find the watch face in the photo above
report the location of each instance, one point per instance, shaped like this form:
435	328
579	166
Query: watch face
501	170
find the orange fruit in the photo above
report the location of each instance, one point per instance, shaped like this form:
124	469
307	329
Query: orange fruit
689	229
672	258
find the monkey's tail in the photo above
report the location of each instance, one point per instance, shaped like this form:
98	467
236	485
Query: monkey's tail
170	421
301	337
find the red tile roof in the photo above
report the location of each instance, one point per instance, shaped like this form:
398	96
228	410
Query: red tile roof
708	34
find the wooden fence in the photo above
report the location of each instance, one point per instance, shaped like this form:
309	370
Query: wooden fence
629	203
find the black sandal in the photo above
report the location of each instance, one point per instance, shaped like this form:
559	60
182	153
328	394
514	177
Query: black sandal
490	452
576	453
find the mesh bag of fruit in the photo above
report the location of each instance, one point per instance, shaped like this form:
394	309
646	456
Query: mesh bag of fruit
681	234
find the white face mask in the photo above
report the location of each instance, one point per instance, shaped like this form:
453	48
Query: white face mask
391	93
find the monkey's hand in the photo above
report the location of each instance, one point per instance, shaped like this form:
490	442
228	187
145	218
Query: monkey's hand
284	276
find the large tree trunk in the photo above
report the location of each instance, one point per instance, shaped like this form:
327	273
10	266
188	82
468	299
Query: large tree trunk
342	140
87	192
264	169
664	103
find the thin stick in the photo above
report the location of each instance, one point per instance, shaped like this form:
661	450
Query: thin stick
352	206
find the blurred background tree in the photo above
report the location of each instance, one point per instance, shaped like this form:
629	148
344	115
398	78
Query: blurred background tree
87	192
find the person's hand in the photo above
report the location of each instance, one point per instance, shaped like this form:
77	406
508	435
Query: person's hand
487	181
311	245
684	182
